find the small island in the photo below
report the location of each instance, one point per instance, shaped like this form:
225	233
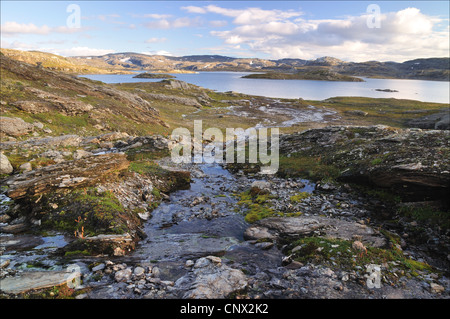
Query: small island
320	75
385	90
147	75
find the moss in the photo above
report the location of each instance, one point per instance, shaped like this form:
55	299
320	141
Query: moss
85	212
77	253
299	197
337	253
309	167
258	206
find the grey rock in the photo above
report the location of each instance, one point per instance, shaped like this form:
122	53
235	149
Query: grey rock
211	280
123	275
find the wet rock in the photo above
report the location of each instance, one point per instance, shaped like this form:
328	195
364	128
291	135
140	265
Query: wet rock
123	275
211	280
36	280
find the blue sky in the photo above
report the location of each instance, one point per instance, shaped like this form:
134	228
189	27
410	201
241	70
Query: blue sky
264	29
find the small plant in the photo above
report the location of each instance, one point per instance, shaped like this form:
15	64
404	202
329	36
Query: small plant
79	221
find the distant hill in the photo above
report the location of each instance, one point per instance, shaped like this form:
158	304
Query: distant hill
57	63
424	69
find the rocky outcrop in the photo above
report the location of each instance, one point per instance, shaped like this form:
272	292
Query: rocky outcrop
436	121
282	229
66	175
412	163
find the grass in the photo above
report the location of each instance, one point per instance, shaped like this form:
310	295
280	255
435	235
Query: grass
386	111
308	167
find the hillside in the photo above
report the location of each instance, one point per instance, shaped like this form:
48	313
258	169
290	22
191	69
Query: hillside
58	63
67	104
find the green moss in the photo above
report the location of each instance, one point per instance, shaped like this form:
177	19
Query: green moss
77	253
258	206
85	212
299	197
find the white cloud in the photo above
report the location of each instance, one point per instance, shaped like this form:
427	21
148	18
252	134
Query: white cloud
218	23
183	22
404	34
11	28
157	52
156	40
157	16
194	9
78	51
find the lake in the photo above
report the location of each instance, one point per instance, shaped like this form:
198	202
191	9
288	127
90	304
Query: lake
426	91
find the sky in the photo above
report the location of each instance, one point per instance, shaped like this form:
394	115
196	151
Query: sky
349	30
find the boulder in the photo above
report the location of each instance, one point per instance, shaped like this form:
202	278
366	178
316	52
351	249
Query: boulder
14	126
209	278
5	165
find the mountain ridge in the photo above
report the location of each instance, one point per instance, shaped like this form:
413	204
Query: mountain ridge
126	62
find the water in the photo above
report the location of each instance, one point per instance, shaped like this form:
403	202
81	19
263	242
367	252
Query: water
426	91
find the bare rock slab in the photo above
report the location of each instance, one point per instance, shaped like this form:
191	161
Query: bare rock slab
36	280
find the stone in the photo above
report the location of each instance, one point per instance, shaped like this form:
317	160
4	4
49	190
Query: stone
33	280
211	280
79	154
437	289
99	267
139	271
260	187
38	125
156	272
5	165
123	275
14	126
25	167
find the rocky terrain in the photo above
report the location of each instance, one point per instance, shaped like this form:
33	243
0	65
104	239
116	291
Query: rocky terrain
89	192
